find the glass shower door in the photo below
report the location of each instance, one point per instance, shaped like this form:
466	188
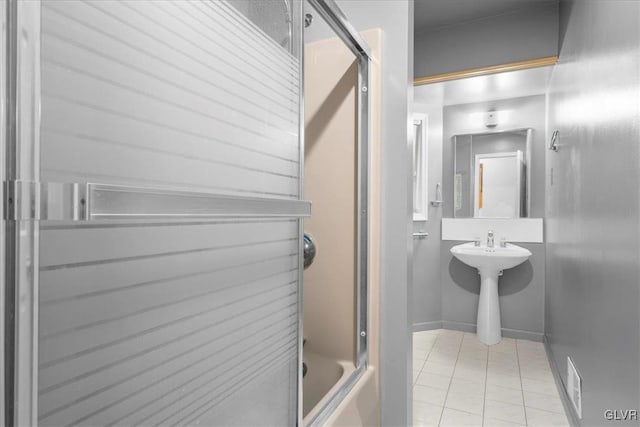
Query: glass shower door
157	226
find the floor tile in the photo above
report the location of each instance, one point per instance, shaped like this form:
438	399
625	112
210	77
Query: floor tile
424	394
455	418
426	413
472	366
430	379
544	402
472	362
465	401
438	368
537	386
530	345
501	380
506	345
504	411
461	382
472	354
503	357
527	353
422	423
471	375
492	422
419	354
448	351
446	358
423	344
463	385
538	418
503	394
503	369
538	374
424	338
447	343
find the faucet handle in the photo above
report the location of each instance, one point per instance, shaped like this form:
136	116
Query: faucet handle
503	242
477	241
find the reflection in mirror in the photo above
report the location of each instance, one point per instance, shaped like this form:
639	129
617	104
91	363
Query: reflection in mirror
491	174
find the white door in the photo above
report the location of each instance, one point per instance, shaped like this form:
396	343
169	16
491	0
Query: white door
498	183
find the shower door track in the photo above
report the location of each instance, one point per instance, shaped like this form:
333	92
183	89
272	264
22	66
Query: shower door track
336	19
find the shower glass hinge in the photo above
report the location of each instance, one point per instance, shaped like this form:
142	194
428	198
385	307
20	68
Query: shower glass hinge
28	200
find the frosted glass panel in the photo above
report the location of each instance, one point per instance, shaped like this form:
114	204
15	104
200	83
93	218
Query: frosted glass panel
172	93
147	322
181	321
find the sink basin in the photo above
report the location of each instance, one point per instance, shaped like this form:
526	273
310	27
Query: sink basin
490	259
490	262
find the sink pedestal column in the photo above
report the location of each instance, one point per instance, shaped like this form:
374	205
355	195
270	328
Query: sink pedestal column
489	328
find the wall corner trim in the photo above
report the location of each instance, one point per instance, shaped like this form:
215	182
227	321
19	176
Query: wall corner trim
483	71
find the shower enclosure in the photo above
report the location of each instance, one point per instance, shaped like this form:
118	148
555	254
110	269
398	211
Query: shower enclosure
336	108
152	162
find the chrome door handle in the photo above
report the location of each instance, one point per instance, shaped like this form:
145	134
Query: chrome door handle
309	250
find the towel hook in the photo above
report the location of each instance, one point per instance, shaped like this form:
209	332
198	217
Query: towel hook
553	145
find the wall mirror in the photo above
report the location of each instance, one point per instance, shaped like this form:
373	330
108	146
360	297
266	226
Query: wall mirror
492	174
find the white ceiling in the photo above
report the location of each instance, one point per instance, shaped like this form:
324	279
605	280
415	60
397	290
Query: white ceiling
513	84
432	14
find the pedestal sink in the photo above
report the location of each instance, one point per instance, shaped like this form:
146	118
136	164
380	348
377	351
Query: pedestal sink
490	262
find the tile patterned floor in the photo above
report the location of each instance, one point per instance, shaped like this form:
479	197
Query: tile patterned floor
458	381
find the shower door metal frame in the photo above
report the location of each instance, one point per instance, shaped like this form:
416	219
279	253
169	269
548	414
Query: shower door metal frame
3	138
21	163
337	20
26	201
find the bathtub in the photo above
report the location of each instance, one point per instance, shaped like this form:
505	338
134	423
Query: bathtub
323	379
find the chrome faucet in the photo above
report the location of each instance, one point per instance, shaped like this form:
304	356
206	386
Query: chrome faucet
490	239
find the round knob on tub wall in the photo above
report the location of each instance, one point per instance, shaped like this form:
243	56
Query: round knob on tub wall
309	250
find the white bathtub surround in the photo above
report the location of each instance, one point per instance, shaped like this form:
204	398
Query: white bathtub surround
461	382
324	377
526	230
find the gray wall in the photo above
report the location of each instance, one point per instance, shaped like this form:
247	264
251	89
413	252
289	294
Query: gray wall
395	18
521	288
592	298
427	303
521	291
521	35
